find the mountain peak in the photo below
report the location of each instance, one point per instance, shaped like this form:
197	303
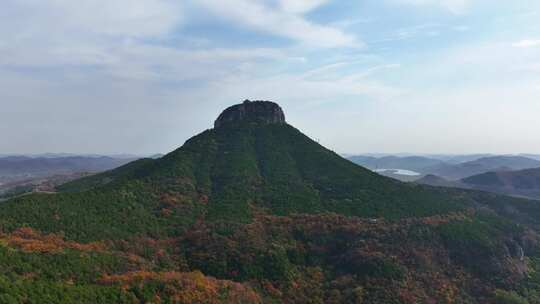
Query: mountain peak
265	112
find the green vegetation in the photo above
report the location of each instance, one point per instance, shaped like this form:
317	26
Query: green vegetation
221	175
250	213
19	190
505	297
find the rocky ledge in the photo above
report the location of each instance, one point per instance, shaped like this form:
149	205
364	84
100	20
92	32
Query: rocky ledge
263	112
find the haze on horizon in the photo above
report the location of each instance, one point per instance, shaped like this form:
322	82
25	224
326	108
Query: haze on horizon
141	77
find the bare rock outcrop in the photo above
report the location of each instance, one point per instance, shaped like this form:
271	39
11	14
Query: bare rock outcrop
263	112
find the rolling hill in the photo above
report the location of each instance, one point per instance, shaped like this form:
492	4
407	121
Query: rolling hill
254	211
450	168
23	166
482	165
436	181
413	163
523	182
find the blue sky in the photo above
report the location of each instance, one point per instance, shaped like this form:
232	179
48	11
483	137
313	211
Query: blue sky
142	76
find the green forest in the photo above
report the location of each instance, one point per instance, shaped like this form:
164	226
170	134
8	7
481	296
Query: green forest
260	213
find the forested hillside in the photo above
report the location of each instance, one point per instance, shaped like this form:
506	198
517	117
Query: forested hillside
253	211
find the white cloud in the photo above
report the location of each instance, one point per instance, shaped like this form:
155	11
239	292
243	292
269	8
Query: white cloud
106	34
454	6
136	18
428	29
164	63
306	88
83	32
300	6
530	67
527	43
484	80
284	20
331	71
110	35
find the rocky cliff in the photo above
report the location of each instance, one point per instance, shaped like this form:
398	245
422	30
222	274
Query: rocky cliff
265	112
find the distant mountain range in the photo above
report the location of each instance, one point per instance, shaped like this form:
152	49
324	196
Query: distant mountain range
414	163
28	167
450	168
483	165
523	183
20	174
40	165
520	183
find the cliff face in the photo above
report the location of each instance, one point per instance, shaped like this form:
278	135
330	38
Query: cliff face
264	112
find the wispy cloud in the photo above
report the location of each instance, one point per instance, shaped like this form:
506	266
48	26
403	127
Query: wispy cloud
411	32
138	18
284	20
301	6
174	64
453	6
527	43
331	71
86	32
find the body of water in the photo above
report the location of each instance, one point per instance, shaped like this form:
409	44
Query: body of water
398	172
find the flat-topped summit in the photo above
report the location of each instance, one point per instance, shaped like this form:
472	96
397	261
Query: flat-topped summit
265	112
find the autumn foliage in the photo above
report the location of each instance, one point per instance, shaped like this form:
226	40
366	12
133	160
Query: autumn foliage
30	240
191	287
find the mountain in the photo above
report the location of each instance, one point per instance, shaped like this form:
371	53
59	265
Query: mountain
13	166
458	159
512	162
436	181
403	168
254	211
482	165
533	156
22	174
523	182
45	184
447	167
413	163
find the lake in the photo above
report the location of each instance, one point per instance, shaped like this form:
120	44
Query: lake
398	172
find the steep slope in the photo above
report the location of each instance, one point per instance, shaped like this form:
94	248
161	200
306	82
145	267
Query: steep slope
227	173
254	211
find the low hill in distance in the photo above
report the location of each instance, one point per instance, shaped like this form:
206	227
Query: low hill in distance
451	168
413	163
22	174
46	184
523	182
483	165
24	166
254	211
436	181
